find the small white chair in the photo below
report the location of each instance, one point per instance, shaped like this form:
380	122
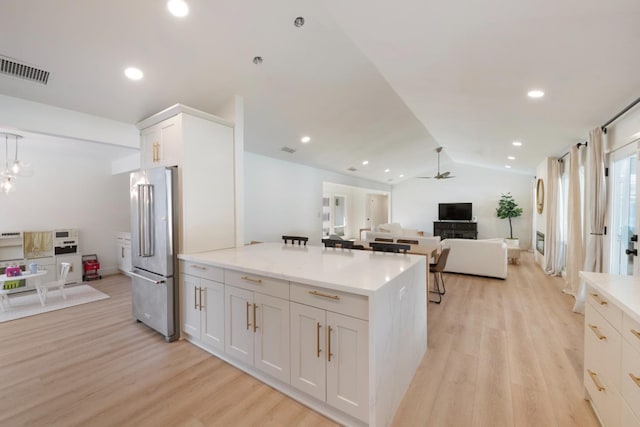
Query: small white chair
43	288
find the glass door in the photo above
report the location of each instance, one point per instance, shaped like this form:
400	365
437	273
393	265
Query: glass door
623	212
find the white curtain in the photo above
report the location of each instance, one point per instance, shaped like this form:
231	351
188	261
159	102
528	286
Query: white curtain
596	193
554	256
575	254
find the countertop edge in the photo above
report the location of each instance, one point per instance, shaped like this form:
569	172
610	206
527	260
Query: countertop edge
591	279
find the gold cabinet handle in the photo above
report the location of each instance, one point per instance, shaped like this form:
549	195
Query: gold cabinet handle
594	378
255	319
318	340
153	152
320	294
329	354
636	333
199	267
201	291
635	379
598	299
594	328
248	324
251	279
195	297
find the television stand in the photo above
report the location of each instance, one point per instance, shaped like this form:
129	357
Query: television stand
455	229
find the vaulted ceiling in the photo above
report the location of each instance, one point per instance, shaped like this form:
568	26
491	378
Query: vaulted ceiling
374	80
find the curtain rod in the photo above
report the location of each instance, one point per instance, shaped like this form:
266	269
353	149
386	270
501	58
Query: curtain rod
604	126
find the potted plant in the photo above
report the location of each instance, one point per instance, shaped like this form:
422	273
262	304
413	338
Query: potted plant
507	209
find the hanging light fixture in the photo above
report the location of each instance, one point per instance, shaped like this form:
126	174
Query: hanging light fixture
14	168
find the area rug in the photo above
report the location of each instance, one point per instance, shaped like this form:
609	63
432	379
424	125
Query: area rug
28	304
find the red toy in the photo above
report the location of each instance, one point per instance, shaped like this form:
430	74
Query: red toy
90	265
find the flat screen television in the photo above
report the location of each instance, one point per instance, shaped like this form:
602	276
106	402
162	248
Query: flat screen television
454	212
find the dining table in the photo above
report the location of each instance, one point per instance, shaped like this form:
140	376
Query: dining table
26	275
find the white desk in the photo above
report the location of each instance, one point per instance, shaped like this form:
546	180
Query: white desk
4	293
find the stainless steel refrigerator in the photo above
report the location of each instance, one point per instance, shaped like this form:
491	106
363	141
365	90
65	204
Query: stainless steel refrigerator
153	250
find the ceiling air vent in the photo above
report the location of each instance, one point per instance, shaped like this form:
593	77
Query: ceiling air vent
352	169
14	68
288	150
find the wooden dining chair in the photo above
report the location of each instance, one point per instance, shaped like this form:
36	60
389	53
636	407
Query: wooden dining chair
389	247
43	288
294	239
438	279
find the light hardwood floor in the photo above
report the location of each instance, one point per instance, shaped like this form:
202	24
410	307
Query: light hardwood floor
501	353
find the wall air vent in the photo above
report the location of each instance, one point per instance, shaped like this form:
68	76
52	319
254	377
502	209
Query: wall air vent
13	68
288	150
352	169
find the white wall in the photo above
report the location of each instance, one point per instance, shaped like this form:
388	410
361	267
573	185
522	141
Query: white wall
414	202
69	189
624	130
286	198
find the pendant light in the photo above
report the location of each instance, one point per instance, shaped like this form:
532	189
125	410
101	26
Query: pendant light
13	169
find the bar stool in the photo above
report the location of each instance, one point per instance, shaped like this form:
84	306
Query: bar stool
437	270
295	239
389	247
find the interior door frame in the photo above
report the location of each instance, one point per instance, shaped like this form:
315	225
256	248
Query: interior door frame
627	150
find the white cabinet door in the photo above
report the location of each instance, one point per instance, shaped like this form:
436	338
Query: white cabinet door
160	144
239	324
190	305
308	356
212	317
348	364
271	339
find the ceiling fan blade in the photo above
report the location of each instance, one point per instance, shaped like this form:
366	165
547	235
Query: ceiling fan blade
445	174
425	177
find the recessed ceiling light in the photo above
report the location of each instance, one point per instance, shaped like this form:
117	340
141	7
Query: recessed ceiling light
507	166
535	93
178	8
511	158
517	143
366	162
299	21
134	73
305	139
401	175
257	60
387	170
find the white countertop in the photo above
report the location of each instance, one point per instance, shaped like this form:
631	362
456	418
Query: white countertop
624	290
355	271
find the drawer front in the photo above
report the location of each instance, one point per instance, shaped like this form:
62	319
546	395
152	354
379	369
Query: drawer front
630	377
602	346
605	398
609	310
631	331
336	301
257	283
204	271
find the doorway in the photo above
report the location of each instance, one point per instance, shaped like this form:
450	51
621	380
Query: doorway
623	208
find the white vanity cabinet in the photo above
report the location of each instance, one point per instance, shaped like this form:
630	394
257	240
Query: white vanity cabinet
257	322
612	349
123	252
202	302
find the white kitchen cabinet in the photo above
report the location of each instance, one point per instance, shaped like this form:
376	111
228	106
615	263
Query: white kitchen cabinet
611	356
329	354
203	305
159	144
202	146
257	331
123	252
75	271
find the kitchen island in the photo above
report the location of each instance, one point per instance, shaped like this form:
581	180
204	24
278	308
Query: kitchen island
342	331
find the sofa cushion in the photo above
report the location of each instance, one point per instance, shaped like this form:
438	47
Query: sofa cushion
477	257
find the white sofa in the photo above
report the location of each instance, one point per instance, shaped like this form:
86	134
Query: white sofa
477	257
394	232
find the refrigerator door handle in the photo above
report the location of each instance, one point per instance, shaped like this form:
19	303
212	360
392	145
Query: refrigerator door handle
140	276
145	220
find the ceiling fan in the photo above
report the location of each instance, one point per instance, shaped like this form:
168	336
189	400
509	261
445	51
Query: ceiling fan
443	175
